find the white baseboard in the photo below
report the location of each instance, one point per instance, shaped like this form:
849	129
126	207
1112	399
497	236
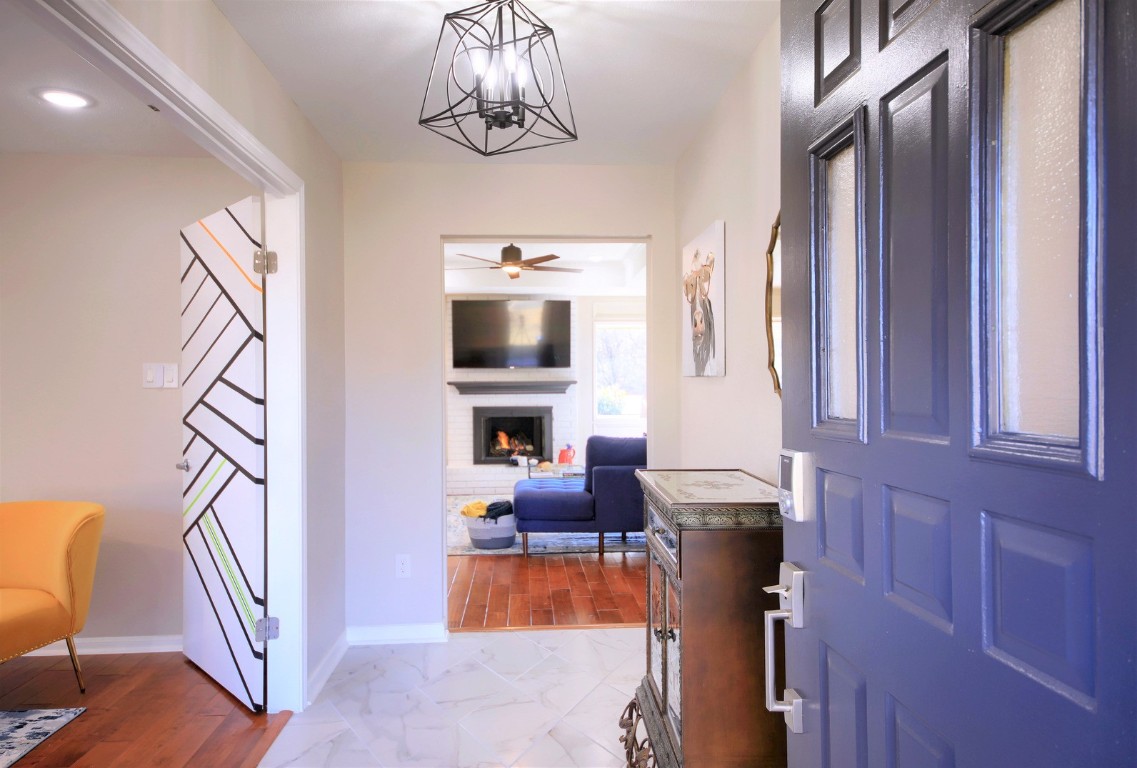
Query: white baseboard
95	646
392	634
318	677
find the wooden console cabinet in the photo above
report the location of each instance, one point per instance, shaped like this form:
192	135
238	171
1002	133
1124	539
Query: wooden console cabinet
714	541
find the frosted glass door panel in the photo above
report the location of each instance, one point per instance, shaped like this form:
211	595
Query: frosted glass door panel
1038	263
841	284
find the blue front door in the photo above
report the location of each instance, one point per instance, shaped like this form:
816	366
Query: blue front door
960	334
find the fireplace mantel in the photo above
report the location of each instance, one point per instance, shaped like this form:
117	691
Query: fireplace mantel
551	387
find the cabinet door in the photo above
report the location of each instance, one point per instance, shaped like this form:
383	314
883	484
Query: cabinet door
656	579
673	638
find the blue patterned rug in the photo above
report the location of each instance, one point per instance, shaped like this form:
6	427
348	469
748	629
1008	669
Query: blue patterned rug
458	541
22	730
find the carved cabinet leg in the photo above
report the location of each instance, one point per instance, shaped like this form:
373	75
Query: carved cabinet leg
637	752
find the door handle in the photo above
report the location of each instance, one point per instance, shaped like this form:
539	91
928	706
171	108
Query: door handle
791	597
183	465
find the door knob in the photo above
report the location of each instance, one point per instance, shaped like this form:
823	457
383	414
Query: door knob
183	465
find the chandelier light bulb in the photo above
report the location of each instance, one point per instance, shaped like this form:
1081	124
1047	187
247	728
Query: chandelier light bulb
478	62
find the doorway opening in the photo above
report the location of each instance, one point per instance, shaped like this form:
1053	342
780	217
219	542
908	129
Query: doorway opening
596	387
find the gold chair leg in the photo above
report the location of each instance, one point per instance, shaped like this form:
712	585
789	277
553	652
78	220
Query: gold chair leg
75	663
525	543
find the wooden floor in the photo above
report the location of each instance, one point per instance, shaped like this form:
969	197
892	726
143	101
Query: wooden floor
152	709
586	590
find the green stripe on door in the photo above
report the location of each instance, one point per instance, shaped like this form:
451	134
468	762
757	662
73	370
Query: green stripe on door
224	557
208	482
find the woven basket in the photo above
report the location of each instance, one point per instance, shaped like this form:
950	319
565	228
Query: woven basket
492	534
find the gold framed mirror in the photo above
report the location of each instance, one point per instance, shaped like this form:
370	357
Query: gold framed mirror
774	303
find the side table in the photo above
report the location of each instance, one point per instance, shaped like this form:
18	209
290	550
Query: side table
714	539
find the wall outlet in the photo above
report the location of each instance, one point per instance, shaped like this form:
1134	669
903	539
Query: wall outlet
402	566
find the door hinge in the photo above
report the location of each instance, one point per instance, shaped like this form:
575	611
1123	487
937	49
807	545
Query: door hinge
268	628
264	262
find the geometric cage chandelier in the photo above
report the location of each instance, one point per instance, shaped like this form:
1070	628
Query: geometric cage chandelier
496	84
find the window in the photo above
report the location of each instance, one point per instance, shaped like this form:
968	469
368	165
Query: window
620	377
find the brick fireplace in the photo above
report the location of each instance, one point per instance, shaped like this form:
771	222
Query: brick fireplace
547	390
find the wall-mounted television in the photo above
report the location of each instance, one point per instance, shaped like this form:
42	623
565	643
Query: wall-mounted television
512	333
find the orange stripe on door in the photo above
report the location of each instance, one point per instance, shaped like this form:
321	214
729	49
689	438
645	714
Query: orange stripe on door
235	264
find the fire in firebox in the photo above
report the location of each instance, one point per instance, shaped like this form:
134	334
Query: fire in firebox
517	444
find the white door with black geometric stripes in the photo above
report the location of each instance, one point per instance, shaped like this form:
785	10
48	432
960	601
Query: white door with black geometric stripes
223	417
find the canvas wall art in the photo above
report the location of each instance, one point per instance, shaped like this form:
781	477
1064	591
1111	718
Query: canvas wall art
703	265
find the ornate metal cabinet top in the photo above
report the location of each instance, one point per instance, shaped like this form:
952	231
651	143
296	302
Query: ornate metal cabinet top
711	498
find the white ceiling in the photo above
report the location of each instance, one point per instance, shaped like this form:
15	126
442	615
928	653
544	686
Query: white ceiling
118	124
609	269
642	74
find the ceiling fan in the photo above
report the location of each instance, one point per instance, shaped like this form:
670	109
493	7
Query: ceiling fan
512	264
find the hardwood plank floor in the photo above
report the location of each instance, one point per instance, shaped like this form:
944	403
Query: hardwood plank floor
512	591
143	709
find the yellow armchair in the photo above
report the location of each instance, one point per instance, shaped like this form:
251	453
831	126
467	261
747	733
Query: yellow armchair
48	551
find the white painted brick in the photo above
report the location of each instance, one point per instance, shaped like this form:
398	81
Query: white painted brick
463	477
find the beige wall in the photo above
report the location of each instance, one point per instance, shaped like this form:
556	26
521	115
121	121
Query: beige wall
89	291
375	320
394	218
732	172
200	40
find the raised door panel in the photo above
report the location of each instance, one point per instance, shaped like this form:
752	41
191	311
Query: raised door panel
914	165
837	44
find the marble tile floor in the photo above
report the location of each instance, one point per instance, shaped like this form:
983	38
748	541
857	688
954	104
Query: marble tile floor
529	699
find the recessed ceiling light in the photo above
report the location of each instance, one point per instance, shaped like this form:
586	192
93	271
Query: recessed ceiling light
65	99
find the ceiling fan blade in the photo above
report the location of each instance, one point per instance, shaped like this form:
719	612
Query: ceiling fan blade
458	269
479	258
554	269
540	259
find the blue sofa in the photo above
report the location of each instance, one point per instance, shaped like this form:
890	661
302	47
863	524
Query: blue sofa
608	499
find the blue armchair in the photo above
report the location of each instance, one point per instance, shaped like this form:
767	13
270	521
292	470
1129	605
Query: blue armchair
608	499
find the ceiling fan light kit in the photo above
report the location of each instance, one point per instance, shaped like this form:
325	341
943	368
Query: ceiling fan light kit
496	84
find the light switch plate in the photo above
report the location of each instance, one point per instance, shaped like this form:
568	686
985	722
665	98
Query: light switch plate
170	376
153	374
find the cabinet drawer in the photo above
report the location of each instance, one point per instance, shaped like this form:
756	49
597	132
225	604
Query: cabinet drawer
662	535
